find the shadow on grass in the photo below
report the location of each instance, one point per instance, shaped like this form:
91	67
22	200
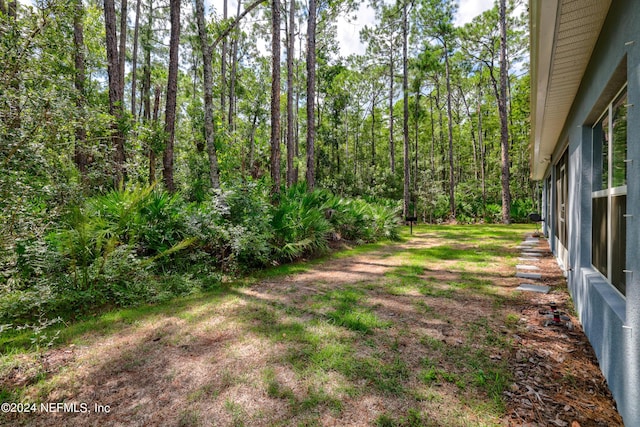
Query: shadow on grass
337	343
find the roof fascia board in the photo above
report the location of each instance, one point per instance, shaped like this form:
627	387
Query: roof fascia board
544	18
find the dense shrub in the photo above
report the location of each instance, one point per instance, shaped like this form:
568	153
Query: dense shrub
520	210
304	221
300	224
493	213
143	244
234	226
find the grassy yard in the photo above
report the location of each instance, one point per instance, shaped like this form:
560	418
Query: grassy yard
418	332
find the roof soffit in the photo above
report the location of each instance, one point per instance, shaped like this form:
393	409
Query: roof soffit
563	35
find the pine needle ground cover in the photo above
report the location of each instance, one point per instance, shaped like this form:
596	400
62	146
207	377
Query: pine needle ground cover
426	331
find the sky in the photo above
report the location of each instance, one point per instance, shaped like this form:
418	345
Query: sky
349	30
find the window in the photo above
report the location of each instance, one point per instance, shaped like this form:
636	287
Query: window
547	212
609	196
562	193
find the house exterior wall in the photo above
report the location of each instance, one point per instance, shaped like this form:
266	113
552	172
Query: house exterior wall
610	320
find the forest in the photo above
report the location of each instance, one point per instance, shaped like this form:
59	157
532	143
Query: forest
156	147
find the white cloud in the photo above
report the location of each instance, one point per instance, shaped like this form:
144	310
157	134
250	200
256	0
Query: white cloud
349	30
469	9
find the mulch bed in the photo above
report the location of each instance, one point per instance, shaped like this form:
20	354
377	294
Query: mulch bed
557	381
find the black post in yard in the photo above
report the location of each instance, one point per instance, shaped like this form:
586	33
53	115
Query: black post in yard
410	220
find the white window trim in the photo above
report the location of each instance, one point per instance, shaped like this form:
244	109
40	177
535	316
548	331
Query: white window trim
610	191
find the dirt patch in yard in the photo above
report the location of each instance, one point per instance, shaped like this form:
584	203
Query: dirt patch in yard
425	332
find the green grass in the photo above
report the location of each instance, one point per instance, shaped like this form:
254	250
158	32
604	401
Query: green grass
306	265
337	344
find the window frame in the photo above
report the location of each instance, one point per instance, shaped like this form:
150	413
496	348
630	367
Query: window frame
609	192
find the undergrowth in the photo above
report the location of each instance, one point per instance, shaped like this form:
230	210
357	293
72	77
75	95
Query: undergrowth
144	245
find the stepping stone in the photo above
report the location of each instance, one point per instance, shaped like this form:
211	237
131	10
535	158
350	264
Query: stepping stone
526	247
533	288
531	239
531	254
536	276
539	250
526	267
528	259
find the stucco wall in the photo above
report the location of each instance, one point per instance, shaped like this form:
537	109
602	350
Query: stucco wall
611	321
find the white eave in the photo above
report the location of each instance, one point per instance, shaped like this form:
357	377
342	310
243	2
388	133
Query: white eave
563	35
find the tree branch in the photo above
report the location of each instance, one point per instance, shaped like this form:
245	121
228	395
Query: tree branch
235	23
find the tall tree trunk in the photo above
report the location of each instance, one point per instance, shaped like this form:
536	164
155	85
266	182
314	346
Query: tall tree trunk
252	145
232	78
417	135
346	138
172	90
502	105
80	155
152	154
291	172
481	146
471	131
146	70
392	148
207	53
214	177
223	67
297	104
115	92
123	42
275	95
433	139
311	90
134	60
452	201
373	131
405	111
443	176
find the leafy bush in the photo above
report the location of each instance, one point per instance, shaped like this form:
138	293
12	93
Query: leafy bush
299	223
304	222
520	210
386	220
493	213
160	222
440	208
143	244
251	214
234	226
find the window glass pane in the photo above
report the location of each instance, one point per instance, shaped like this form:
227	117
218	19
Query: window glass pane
599	234
619	141
605	152
618	241
599	159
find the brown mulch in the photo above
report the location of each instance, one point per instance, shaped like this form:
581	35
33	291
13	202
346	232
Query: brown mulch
557	378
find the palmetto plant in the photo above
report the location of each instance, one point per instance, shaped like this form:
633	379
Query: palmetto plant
141	218
300	224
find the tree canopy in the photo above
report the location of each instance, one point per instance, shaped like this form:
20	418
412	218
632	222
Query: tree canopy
166	113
